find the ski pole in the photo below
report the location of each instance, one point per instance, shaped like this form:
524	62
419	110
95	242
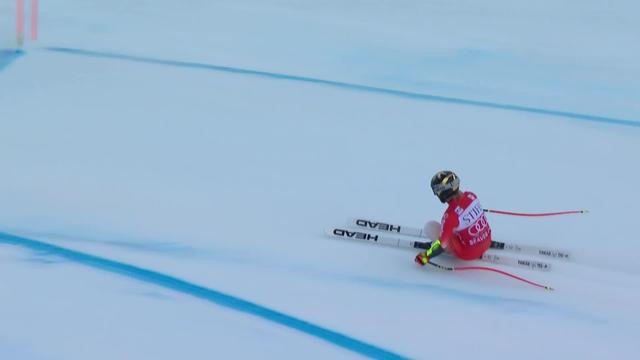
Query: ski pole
484	268
492	211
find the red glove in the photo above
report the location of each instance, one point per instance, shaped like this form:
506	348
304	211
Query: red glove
422	258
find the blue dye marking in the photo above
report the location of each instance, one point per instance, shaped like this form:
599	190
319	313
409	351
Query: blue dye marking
8	56
365	88
137	244
201	292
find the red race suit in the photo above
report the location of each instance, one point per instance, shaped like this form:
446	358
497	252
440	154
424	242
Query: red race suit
465	230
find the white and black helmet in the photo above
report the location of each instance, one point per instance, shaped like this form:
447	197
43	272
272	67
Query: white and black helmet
445	184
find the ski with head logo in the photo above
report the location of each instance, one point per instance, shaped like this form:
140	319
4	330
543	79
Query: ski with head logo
362	223
399	242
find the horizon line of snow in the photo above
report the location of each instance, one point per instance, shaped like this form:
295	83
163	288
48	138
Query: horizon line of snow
349	86
214	296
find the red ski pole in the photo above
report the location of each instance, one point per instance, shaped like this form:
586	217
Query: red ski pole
484	268
535	214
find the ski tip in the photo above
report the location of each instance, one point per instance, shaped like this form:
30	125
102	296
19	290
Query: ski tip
549	288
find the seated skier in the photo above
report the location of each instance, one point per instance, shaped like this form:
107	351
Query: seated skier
465	232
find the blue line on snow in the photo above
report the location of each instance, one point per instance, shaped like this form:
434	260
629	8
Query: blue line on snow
405	94
8	56
201	292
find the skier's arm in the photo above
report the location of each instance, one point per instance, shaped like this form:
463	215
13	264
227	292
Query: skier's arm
435	250
438	246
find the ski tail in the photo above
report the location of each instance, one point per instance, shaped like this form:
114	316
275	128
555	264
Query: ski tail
515	262
531	250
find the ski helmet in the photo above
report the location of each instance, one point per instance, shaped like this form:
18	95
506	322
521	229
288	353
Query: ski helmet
445	184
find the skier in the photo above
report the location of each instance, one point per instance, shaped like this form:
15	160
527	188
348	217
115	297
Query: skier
465	232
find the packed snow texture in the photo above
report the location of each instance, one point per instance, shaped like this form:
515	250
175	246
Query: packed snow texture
215	141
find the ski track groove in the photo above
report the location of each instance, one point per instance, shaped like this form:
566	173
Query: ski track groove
213	296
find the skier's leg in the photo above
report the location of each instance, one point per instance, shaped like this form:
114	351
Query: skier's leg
432	230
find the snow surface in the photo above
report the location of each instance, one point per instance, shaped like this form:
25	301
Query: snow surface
210	143
7	24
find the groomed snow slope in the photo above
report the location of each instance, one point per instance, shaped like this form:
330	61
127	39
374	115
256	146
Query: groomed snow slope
203	143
